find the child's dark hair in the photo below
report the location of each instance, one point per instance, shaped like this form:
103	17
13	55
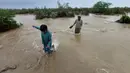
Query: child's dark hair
43	28
79	16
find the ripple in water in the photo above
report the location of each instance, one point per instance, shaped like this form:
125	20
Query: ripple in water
101	70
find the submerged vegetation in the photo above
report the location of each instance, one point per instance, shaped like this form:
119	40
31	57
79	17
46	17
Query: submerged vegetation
124	19
6	21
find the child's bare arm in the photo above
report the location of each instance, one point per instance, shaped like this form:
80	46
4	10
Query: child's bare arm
36	27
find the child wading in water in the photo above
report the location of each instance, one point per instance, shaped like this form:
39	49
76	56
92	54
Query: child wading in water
46	38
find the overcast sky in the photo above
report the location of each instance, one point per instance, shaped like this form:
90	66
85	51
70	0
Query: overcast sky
53	3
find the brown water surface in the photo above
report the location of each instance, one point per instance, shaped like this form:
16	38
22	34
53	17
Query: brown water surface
102	47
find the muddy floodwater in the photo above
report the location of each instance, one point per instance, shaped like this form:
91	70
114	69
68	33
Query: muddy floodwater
102	47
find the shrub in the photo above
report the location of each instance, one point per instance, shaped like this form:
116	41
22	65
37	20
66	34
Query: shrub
62	11
6	21
124	19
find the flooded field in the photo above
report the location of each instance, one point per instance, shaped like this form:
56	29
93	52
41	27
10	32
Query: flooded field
102	47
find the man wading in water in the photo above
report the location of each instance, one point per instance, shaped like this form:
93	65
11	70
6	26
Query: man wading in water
78	26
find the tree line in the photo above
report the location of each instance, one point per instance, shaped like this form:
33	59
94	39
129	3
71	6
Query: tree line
64	10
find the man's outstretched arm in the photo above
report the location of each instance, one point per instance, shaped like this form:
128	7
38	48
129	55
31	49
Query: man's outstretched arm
73	24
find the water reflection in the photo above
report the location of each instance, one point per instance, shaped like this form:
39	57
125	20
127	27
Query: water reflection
126	26
78	38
